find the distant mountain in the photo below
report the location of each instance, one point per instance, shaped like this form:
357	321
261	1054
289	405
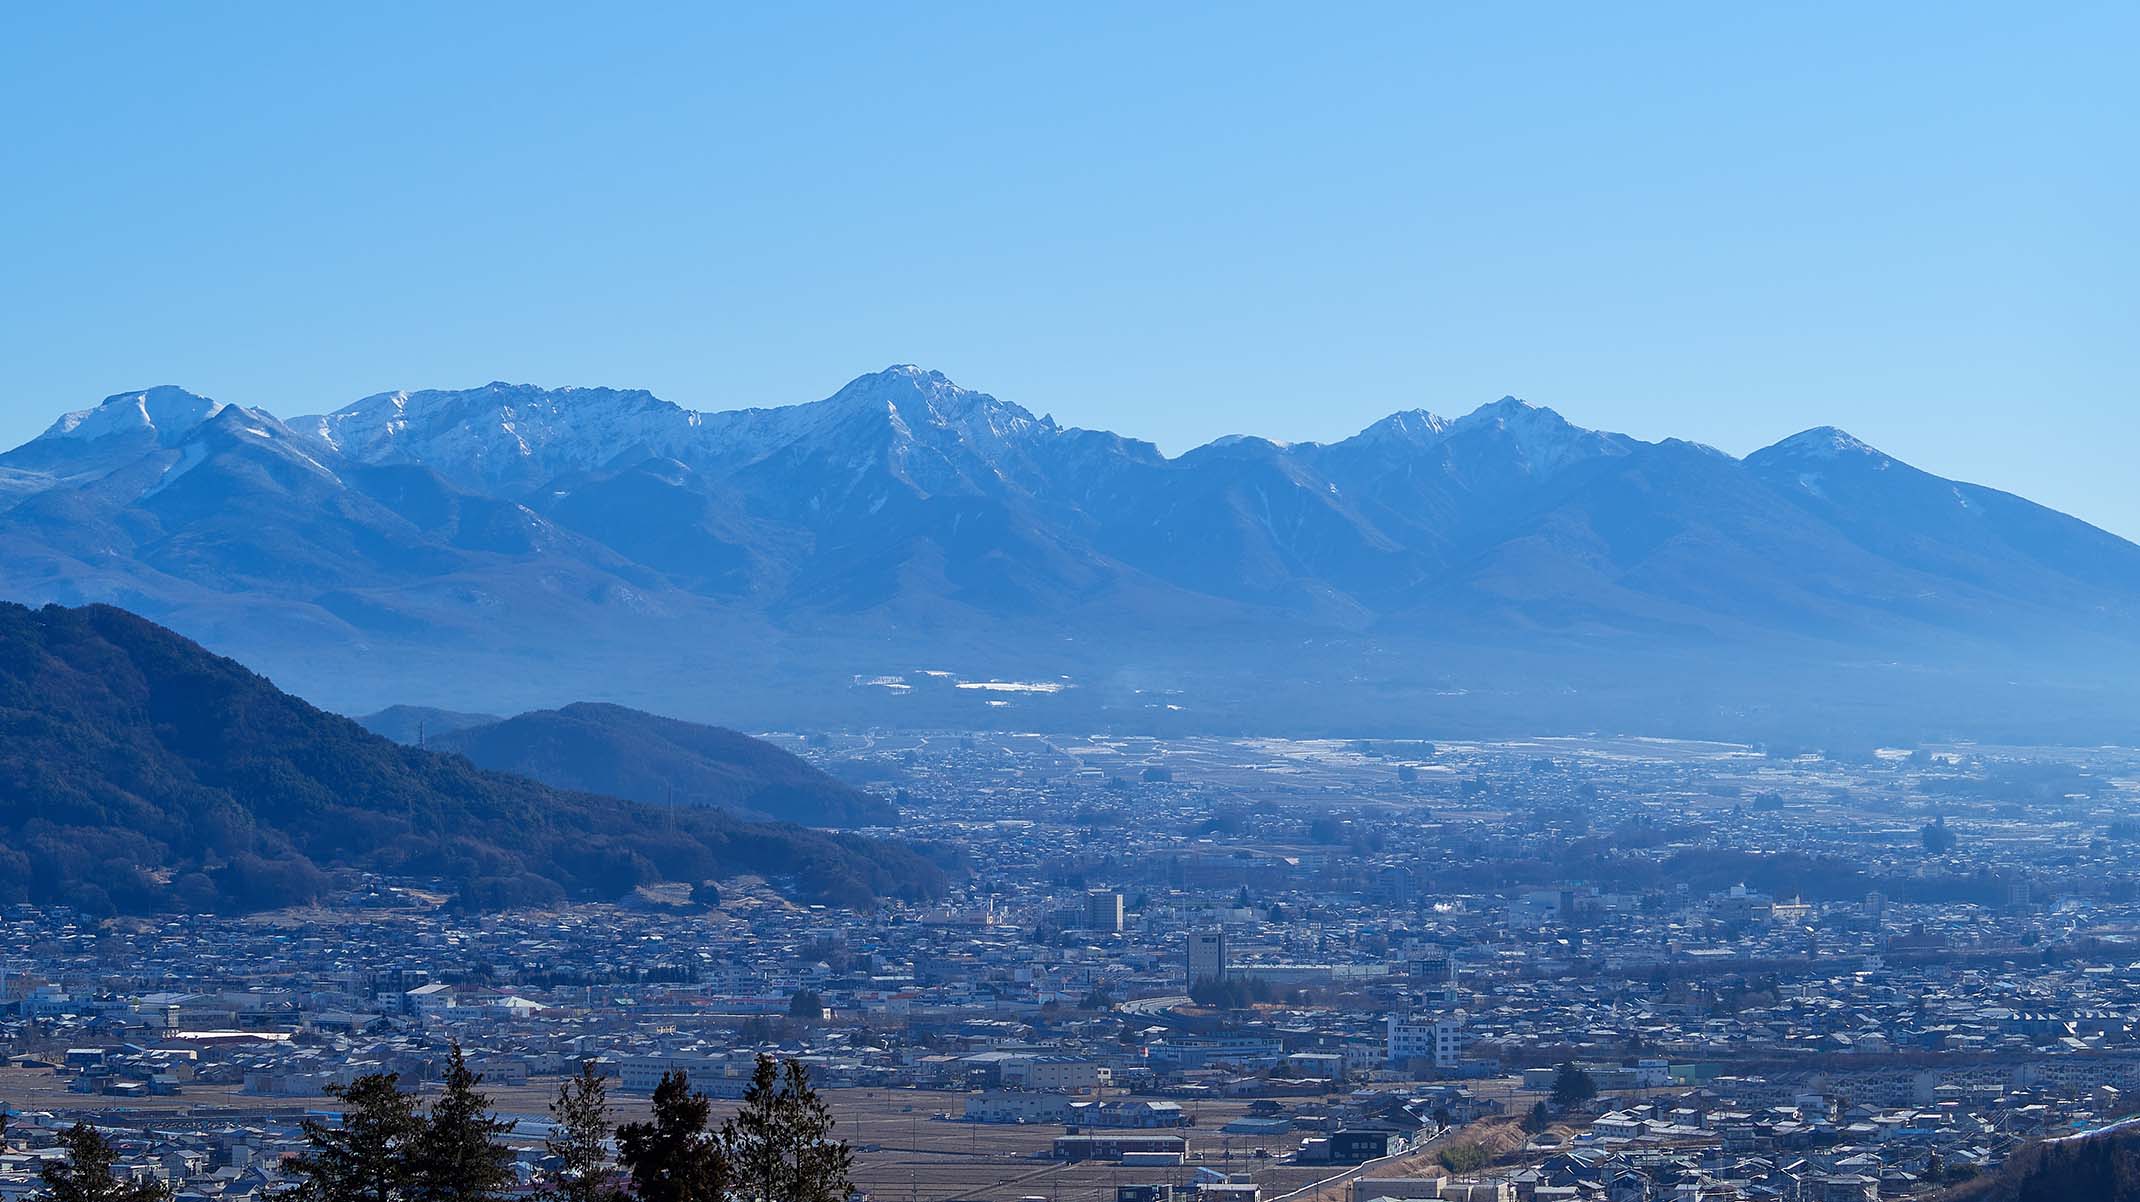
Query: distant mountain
512	547
642	757
417	725
138	773
1976	537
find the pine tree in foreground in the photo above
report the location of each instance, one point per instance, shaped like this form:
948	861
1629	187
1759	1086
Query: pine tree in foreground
579	1140
366	1157
457	1155
780	1143
751	1137
823	1166
673	1157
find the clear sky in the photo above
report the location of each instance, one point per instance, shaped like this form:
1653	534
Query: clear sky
1916	222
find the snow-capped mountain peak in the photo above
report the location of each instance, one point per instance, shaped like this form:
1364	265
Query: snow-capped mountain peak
166	412
1821	442
1810	458
504	435
89	443
1406	425
1544	441
903	507
1511	412
916	397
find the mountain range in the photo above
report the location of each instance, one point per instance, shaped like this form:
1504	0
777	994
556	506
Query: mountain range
141	773
911	551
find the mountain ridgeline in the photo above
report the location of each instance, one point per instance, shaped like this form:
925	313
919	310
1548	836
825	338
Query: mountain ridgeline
417	725
139	772
509	547
643	757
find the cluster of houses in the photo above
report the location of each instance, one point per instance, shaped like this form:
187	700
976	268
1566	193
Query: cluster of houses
1759	960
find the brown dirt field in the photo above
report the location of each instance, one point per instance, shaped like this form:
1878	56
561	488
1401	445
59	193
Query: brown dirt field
903	1153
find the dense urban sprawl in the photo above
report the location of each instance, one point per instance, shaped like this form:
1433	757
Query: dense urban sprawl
1608	969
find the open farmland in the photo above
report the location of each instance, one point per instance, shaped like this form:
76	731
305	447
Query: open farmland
904	1151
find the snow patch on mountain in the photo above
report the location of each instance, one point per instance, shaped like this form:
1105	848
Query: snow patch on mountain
1543	441
1807	457
1249	442
190	456
908	403
1407	426
1546	441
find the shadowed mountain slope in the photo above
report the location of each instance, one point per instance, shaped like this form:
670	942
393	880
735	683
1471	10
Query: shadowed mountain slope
139	772
642	757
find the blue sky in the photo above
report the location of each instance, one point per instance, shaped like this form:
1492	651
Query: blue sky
1706	221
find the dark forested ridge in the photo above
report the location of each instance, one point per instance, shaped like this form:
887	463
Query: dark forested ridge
644	757
139	772
2100	1168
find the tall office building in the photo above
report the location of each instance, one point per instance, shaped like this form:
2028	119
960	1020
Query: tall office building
1206	957
1103	910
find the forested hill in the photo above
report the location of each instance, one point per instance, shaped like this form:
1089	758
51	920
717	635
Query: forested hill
139	772
2099	1168
645	757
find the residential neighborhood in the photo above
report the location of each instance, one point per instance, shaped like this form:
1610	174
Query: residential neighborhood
1259	968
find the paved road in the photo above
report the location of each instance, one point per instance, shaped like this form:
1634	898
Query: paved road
1154	1005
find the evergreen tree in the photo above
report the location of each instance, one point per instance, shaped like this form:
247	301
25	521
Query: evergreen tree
85	1175
1938	838
781	1142
673	1157
365	1158
752	1136
579	1139
1572	1086
1467	1157
822	1166
456	1155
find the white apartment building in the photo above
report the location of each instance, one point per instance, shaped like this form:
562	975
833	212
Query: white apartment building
1439	1038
